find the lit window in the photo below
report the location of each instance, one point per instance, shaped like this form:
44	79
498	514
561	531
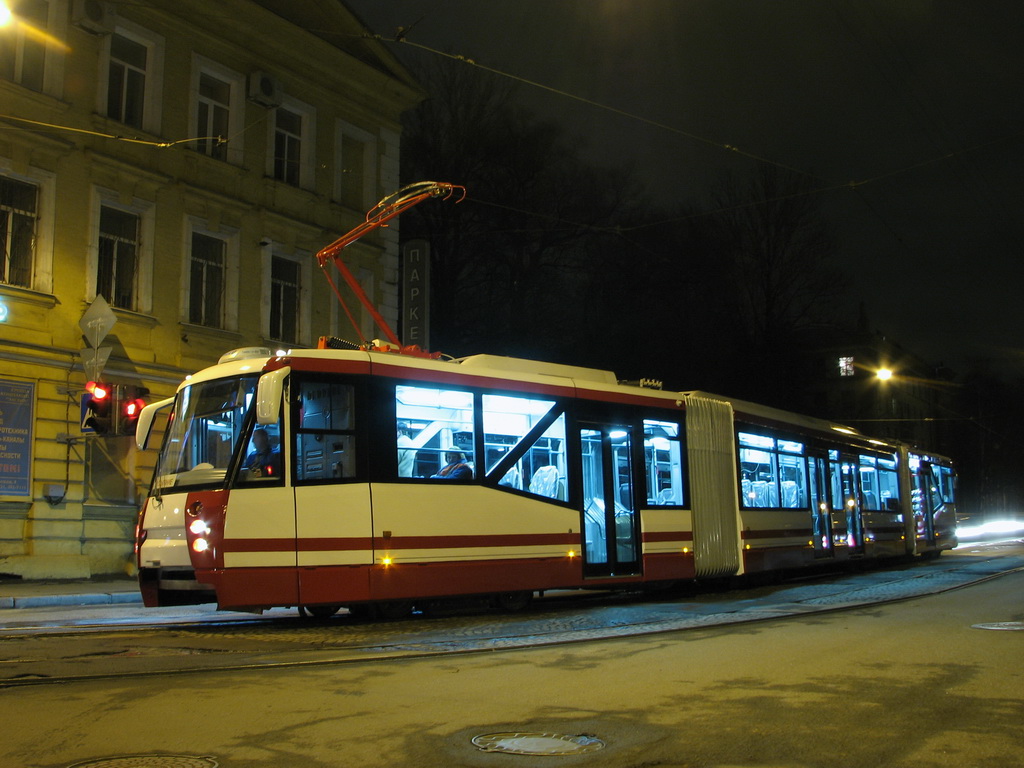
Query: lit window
846	366
325	443
524	440
438	425
663	456
773	473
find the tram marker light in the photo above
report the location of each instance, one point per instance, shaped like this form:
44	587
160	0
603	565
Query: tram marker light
386	560
200	545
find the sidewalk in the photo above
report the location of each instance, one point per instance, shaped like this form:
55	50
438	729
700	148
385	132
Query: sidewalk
15	593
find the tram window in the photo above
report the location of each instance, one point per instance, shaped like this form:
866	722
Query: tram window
435	436
262	462
524	441
773	472
943	480
879	483
663	458
325	449
205	434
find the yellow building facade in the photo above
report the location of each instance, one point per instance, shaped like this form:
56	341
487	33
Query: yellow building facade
183	160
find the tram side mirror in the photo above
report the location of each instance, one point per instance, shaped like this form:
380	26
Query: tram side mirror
144	426
268	396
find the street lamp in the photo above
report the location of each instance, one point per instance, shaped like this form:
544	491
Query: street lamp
884	374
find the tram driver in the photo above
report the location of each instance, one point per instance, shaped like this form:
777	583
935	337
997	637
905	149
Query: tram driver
264	460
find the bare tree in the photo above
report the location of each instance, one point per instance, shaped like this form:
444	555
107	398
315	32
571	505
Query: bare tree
514	265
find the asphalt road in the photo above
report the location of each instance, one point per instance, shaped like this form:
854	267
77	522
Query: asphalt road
910	683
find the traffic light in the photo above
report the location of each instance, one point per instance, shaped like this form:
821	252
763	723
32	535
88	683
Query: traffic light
97	404
131	404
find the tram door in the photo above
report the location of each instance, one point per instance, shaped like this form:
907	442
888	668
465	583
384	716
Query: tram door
610	540
923	504
845	482
821	511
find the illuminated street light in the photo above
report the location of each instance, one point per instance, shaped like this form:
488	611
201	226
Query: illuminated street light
884	374
8	19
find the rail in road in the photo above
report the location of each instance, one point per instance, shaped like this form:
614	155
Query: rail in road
34	655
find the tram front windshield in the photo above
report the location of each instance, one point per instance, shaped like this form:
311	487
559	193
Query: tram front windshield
204	432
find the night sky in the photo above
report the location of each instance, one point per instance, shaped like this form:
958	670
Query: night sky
918	102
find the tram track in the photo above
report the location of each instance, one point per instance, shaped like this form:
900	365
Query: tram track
97	652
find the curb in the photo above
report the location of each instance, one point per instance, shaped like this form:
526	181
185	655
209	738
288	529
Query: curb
44	601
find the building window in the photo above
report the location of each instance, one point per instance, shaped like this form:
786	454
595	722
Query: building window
284	299
22	56
126	85
288	146
18	206
356	169
118	257
846	366
207	271
212	113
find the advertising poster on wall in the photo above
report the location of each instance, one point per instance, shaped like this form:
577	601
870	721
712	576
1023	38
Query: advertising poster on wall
16	401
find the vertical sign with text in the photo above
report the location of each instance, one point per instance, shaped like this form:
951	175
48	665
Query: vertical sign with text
416	293
16	401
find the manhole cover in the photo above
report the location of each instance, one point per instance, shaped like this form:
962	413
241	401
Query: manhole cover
519	743
149	761
1018	625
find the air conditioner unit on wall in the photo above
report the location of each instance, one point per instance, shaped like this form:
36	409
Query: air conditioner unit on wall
264	89
93	16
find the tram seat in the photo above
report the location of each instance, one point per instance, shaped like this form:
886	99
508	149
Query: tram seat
790	494
870	500
512	479
761	496
546	481
748	492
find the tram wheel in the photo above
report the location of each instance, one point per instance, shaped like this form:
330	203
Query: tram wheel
393	610
513	601
321	611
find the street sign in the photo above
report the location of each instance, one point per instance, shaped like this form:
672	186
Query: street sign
97	321
93	361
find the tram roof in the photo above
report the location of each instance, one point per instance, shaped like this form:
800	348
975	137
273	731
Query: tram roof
584	381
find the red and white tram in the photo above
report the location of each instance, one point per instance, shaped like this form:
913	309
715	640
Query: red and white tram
326	478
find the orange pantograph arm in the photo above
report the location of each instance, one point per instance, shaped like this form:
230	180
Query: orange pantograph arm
379	216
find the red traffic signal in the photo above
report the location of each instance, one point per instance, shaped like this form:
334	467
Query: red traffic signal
96	407
131	405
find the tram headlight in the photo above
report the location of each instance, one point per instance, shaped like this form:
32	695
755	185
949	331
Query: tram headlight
199	527
200	545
